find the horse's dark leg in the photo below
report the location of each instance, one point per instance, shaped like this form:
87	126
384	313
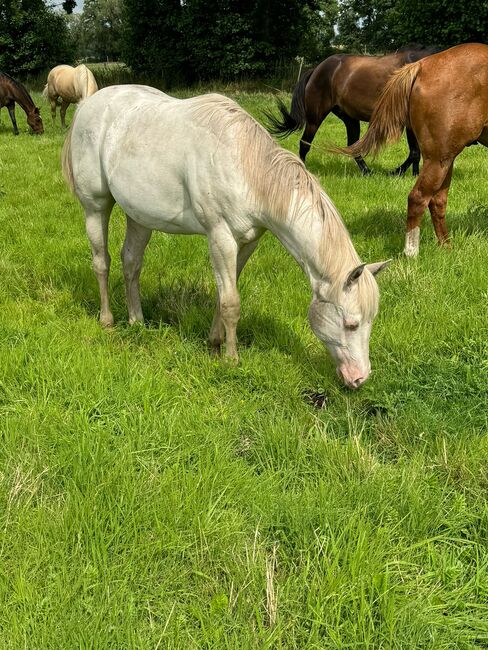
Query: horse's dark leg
414	152
62	112
307	137
353	128
413	157
11	110
54	102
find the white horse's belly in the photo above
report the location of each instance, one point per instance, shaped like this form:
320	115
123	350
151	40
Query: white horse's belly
170	213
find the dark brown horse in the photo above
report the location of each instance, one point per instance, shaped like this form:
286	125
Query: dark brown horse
348	86
444	100
12	91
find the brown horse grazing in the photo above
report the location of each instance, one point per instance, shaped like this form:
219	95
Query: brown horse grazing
12	91
69	85
348	86
444	100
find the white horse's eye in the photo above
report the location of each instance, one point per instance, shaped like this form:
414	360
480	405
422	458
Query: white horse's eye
351	325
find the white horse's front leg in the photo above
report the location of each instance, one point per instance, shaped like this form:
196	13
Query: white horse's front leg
217	331
136	240
223	254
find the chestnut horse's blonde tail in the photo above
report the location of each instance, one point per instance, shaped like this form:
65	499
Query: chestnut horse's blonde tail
390	115
85	81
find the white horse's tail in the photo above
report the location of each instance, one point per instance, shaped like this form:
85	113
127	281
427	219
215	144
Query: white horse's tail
86	81
66	163
45	92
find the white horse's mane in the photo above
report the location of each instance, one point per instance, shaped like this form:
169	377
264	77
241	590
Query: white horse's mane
280	180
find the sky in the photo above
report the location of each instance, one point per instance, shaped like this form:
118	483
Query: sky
79	6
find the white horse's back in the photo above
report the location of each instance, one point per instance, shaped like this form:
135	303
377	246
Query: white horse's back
180	174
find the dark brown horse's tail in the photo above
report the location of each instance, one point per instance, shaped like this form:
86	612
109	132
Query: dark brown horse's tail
296	118
390	115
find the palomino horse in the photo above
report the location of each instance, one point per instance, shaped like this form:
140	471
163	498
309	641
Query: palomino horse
218	174
12	91
348	86
70	85
444	100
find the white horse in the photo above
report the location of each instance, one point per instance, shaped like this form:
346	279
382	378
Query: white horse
204	166
70	85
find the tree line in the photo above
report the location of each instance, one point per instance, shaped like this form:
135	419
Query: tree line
194	40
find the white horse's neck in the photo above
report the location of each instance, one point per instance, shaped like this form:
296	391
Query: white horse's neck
323	252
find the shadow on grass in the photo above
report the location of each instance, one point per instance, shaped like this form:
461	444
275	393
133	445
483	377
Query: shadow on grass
189	308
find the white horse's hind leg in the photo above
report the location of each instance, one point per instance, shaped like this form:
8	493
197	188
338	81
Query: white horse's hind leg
97	231
136	239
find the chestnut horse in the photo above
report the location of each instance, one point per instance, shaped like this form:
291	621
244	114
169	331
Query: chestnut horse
12	91
347	85
444	100
69	85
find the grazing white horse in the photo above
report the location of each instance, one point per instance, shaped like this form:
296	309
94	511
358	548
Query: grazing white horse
70	85
204	166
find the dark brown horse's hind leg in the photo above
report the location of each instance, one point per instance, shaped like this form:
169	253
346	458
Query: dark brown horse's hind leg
353	128
11	110
413	157
307	138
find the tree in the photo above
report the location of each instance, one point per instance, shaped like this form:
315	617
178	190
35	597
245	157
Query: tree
315	42
100	29
69	5
151	37
441	22
382	25
191	40
32	37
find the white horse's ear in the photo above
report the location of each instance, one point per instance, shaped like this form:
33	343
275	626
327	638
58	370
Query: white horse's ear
354	275
376	267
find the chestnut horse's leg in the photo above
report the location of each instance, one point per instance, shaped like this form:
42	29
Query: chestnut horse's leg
136	240
11	111
353	128
437	207
413	157
429	182
217	330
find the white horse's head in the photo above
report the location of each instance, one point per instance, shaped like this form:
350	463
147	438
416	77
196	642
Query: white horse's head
342	318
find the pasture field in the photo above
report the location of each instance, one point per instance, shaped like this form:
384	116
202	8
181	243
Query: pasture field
154	497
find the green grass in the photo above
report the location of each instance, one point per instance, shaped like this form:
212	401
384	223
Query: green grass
152	497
